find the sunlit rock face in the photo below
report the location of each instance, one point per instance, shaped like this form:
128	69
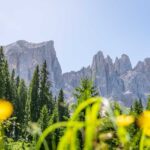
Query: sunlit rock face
122	65
114	80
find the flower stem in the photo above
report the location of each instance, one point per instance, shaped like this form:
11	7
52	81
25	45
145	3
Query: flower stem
1	137
142	141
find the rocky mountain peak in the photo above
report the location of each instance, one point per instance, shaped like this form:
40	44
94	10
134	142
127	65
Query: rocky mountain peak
139	67
98	60
147	61
123	64
109	61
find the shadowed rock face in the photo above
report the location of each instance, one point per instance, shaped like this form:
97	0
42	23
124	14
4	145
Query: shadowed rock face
118	80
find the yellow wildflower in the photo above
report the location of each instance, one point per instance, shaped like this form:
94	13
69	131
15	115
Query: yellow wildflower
144	122
6	109
124	120
147	131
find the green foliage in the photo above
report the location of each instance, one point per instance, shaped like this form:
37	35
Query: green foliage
137	107
17	145
85	91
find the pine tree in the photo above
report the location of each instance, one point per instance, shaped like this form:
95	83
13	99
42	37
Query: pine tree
34	96
46	97
63	112
20	106
137	107
116	107
11	94
61	108
148	103
85	90
2	75
67	112
27	118
13	86
55	136
17	81
22	97
44	118
140	106
14	99
7	82
44	122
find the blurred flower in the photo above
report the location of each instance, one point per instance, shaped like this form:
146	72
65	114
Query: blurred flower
147	131
106	103
34	128
124	120
105	108
106	136
144	122
6	109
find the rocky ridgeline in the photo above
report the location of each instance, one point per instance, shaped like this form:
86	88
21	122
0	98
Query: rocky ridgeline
117	81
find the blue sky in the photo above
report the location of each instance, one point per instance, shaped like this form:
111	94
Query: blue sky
80	28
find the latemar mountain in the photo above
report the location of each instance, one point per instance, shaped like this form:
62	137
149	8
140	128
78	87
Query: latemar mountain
116	81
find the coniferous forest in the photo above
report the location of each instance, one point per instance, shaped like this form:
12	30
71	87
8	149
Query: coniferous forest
32	118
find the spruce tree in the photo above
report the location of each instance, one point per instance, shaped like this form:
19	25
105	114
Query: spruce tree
34	96
44	118
137	107
85	90
148	103
21	102
17	81
61	107
27	117
19	109
63	112
46	97
7	82
2	75
67	112
55	136
116	107
13	87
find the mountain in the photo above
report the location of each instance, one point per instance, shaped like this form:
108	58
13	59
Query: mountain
114	80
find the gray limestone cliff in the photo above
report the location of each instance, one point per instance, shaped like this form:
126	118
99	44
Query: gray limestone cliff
23	57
